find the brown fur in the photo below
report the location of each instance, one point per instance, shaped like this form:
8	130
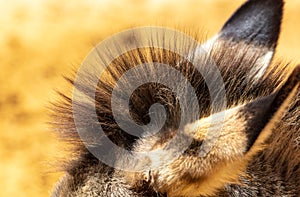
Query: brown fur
257	153
237	96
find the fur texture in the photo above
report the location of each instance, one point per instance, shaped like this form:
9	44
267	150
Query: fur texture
258	151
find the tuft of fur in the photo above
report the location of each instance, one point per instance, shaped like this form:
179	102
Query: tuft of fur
257	152
240	90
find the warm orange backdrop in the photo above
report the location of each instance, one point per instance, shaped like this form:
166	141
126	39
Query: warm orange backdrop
41	40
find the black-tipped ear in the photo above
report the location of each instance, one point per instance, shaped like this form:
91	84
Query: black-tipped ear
257	22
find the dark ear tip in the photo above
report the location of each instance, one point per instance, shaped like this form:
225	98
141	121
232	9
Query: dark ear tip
257	21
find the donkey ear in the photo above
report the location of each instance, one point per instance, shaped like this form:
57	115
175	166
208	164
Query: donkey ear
257	22
267	111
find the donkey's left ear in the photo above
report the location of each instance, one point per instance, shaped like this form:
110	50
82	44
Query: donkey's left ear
257	22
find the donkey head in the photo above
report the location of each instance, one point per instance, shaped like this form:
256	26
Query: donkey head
243	50
256	97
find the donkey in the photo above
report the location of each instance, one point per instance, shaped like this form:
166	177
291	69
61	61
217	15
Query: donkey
258	150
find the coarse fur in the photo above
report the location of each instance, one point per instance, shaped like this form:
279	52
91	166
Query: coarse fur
258	150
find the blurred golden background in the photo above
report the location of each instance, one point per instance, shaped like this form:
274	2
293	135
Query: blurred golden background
41	40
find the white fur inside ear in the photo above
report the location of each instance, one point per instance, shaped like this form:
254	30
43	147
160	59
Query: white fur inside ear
206	47
259	69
